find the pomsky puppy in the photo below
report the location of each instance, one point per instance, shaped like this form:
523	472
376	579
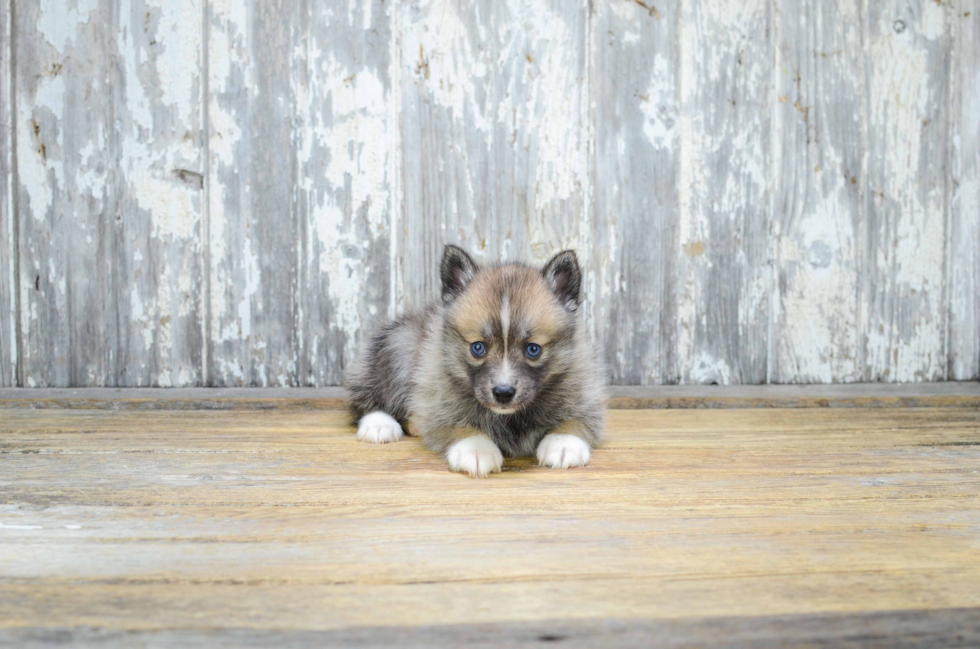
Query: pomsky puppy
501	366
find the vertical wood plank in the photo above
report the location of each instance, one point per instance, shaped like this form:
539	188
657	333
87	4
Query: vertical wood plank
817	224
723	267
634	67
62	121
159	184
904	297
347	148
254	226
8	330
109	166
495	133
300	203
963	252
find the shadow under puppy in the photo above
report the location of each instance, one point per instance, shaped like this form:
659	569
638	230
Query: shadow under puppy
502	366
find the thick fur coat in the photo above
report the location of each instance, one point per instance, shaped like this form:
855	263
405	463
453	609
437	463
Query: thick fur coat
502	365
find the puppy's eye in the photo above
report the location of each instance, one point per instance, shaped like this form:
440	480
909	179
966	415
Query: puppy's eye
533	351
478	349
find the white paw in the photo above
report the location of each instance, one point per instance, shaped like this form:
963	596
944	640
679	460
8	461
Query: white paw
378	428
477	456
563	451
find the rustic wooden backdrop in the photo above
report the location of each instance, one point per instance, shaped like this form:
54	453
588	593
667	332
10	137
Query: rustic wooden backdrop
232	192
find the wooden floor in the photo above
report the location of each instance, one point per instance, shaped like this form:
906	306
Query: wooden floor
768	527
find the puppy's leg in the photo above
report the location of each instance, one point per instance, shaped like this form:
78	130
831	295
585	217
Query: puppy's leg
565	447
379	381
378	428
472	452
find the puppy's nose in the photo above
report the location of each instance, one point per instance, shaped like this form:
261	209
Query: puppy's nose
504	393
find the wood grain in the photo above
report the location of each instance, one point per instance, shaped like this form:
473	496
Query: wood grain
108	120
254	221
723	268
634	285
957	627
819	196
8	310
66	229
300	203
237	522
908	75
963	251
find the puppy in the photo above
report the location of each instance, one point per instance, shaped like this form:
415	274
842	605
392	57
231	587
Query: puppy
501	366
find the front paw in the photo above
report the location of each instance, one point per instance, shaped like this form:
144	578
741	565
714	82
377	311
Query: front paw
477	456
563	451
378	428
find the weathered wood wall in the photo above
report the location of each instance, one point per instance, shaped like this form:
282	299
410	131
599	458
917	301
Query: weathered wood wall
233	192
8	333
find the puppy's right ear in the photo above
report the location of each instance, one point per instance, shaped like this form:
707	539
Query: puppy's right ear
457	270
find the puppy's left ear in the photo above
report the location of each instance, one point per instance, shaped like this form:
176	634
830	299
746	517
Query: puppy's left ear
565	279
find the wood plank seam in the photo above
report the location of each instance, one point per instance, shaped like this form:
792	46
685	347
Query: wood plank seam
14	198
947	394
207	344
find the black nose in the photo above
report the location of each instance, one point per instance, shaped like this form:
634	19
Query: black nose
504	393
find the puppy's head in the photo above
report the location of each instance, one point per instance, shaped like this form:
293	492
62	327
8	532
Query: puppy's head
509	329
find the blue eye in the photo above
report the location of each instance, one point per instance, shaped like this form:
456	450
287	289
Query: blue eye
533	351
478	349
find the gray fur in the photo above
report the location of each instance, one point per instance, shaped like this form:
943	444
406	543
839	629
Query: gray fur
419	367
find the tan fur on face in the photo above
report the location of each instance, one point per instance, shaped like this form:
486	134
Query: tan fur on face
541	312
532	305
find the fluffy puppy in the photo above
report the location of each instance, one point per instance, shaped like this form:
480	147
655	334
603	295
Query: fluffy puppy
501	366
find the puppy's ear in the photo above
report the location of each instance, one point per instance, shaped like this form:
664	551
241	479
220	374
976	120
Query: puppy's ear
457	270
565	278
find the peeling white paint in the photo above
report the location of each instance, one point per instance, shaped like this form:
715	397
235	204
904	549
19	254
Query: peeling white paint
933	20
178	65
708	370
656	104
37	154
444	59
691	180
722	185
553	99
252	275
354	191
227	58
57	20
904	332
9	284
509	145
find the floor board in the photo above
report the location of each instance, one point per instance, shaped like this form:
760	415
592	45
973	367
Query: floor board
191	527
